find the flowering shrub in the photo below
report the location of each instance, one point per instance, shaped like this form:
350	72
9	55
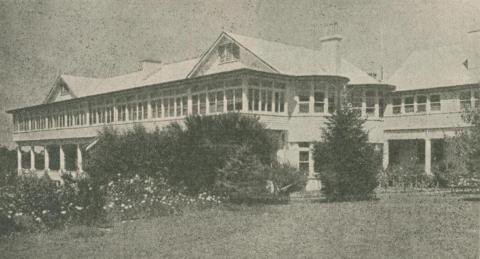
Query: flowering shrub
34	203
146	197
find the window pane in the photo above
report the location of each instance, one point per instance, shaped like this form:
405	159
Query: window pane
195	104
256	99
250	99
220	101
319	98
269	100
409	104
264	100
421	103
238	99
185	105
211	103
230	102
203	103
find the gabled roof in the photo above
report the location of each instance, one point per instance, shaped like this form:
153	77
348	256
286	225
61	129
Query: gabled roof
297	60
432	68
281	58
85	86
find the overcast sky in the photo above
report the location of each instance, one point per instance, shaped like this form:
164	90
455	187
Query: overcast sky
41	39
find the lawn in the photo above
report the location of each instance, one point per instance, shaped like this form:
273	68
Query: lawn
396	226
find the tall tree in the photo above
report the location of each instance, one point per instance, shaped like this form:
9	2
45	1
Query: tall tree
347	163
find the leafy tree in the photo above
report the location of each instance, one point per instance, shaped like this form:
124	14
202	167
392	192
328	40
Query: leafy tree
206	143
347	163
470	143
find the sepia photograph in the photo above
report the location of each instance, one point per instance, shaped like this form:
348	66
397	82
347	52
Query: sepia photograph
239	129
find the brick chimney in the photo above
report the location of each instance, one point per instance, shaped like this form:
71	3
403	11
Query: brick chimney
331	48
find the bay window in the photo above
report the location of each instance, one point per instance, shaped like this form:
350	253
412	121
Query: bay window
303	100
370	102
332	100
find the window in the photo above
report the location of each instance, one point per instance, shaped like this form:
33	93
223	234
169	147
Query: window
465	100
212	107
203	103
409	104
63	90
319	100
178	105
304	100
238	99
397	105
370	102
279	102
381	103
228	52
220	101
331	100
304	161
194	104
421	103
157	108
356	99
229	94
435	104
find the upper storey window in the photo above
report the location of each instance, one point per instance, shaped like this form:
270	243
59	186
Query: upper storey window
465	100
409	104
228	52
397	105
421	103
370	102
304	100
435	104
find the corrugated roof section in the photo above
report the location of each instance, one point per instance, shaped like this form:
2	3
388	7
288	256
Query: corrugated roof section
296	60
431	68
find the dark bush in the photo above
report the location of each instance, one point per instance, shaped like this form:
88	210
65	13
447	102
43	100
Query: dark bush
286	178
8	165
347	163
206	142
244	179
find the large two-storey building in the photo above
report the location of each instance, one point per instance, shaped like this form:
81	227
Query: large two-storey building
292	89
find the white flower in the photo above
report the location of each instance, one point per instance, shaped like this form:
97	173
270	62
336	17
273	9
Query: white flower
63	212
38	219
143	201
78	208
10	212
110	183
44	212
110	205
18	214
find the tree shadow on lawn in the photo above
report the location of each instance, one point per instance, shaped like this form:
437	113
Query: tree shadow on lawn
353	199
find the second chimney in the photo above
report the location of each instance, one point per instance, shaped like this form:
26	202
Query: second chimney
331	49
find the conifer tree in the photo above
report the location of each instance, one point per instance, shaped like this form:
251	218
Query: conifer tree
347	163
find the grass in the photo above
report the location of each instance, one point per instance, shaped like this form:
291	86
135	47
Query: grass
398	225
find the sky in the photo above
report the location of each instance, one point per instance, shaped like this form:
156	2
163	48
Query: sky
40	40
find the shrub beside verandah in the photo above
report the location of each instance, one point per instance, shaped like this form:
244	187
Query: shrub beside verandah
138	173
347	163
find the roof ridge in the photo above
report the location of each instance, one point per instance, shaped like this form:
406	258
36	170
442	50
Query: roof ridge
275	42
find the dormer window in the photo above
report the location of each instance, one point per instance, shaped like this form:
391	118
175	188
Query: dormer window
228	52
63	90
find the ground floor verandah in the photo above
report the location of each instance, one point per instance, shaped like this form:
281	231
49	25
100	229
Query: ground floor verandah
52	157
